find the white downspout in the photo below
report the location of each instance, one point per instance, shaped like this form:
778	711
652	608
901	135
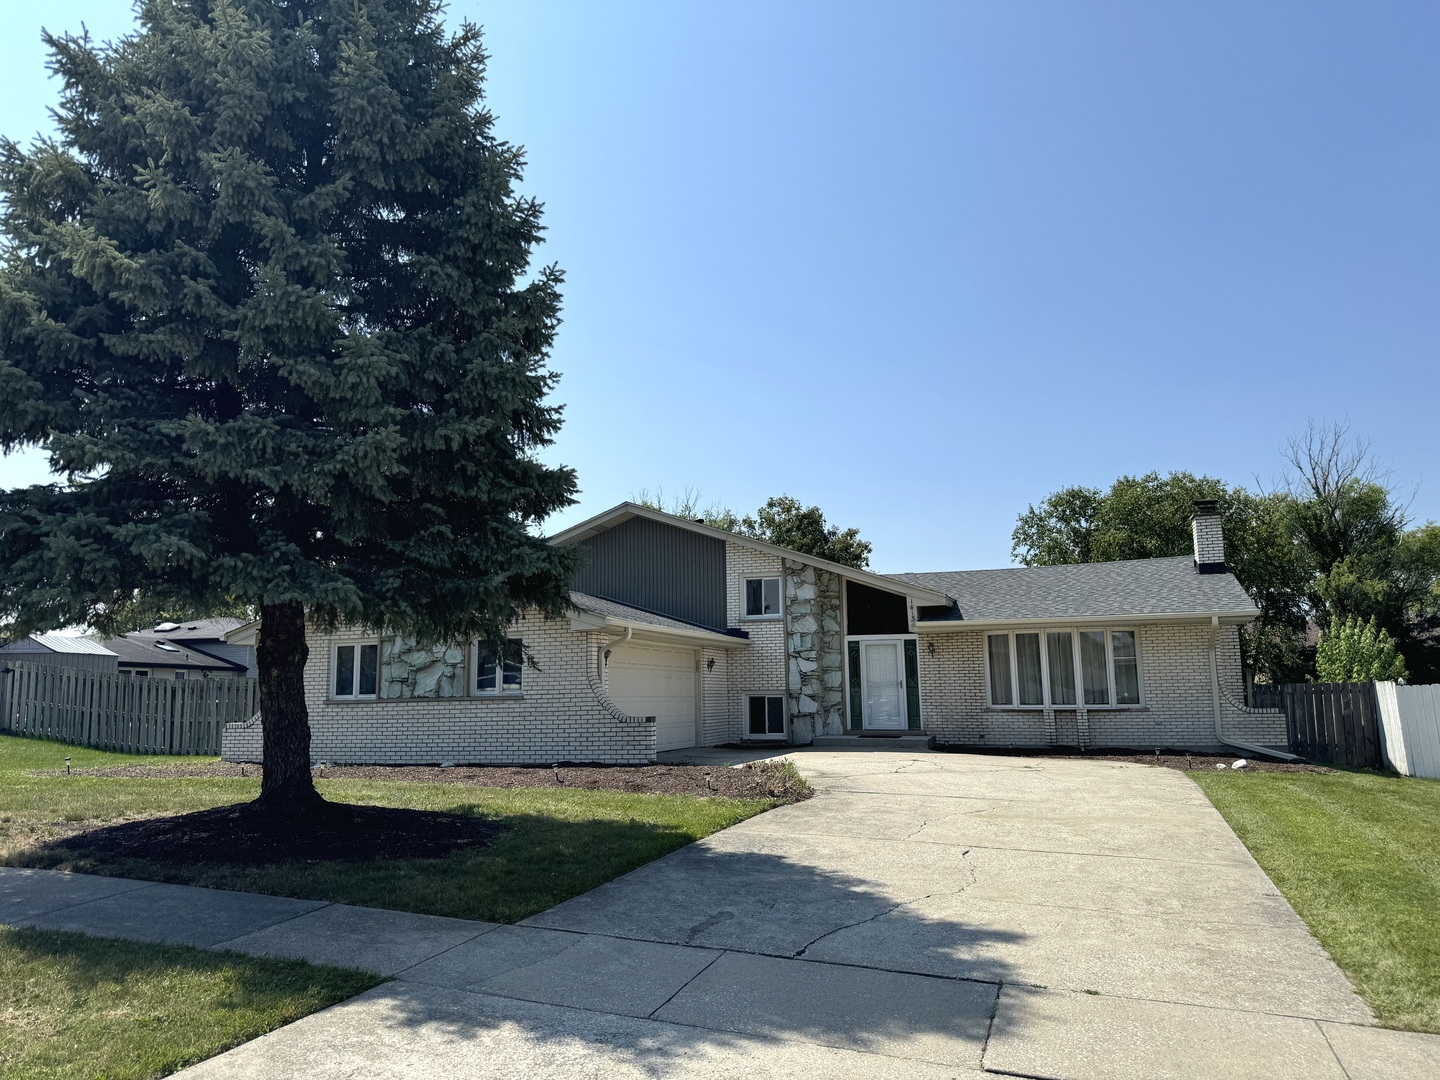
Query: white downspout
1215	697
600	652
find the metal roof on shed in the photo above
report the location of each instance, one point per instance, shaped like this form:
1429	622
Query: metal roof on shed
64	643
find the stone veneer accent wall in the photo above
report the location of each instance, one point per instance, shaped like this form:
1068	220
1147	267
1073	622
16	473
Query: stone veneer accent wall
1178	709
411	670
563	713
814	643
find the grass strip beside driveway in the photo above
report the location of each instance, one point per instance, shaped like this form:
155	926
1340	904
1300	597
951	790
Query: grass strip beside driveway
82	1007
1357	854
553	844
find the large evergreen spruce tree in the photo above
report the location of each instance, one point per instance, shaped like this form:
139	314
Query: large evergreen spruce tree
266	302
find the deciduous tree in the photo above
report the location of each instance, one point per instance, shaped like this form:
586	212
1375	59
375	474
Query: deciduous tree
1355	651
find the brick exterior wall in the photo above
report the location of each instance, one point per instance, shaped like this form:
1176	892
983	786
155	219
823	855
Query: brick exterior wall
1208	536
762	666
563	714
1177	707
720	715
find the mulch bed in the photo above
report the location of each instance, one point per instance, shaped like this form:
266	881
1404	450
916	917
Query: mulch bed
238	836
758	780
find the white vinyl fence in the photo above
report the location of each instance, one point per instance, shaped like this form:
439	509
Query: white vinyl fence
122	712
1410	725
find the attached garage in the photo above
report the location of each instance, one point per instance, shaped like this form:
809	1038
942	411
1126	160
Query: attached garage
658	681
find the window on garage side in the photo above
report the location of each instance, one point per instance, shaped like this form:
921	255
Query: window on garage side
764	716
502	676
357	669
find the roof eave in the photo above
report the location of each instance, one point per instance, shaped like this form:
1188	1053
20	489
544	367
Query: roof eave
641	630
1229	618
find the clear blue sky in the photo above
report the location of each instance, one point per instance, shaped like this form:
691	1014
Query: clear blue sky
923	263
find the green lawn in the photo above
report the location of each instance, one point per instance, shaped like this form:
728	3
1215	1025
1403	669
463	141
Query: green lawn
83	1007
554	843
1358	855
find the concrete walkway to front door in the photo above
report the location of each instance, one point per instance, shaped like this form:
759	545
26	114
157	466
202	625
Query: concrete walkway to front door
926	915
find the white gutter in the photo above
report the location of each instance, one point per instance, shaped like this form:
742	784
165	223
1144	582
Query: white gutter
1215	697
1242	615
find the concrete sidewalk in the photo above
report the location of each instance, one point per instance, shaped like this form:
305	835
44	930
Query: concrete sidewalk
926	915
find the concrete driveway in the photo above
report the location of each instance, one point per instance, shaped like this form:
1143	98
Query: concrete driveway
926	915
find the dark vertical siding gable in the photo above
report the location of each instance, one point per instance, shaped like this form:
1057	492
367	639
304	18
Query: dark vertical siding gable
648	564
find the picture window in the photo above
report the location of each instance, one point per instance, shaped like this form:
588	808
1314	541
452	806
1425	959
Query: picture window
1060	668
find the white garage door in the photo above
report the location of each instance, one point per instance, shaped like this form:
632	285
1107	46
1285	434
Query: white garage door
652	681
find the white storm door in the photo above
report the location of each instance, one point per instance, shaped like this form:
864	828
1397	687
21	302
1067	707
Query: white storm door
883	675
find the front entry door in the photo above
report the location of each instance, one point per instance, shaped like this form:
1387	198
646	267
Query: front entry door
882	672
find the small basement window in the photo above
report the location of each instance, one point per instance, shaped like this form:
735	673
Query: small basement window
357	670
765	716
762	598
504	678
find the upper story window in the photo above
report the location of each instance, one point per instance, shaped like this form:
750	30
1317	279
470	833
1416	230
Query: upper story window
502	677
1061	668
357	670
762	597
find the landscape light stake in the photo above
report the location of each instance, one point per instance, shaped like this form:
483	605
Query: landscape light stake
67	766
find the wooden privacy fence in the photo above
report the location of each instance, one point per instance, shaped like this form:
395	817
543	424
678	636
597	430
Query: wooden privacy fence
1338	723
1410	719
132	714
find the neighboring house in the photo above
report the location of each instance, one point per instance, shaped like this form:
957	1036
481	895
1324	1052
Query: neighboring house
196	649
145	656
686	635
227	640
61	650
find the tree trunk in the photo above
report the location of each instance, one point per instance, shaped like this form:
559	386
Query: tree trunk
286	788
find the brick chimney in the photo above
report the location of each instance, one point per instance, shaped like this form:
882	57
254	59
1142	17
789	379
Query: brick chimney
1209	538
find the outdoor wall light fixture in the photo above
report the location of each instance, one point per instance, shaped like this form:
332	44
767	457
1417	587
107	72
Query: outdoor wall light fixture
710	664
930	647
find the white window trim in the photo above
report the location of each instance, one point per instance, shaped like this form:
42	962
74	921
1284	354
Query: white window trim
355	675
779	580
472	673
745	714
1079	705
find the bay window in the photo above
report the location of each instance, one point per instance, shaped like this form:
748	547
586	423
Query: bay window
1061	668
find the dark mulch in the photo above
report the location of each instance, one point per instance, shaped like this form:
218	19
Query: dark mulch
758	780
238	836
1174	759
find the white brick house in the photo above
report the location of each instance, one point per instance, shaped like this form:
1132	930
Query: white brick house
684	635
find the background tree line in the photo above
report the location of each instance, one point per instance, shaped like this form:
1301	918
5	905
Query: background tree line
1331	543
783	521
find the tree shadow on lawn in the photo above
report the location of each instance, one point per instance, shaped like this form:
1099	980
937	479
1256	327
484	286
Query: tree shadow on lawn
465	863
708	962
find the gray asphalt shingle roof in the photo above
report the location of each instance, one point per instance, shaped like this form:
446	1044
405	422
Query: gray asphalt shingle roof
1169	586
143	650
